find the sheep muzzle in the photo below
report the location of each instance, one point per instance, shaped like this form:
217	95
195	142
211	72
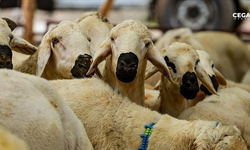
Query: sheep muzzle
81	67
189	87
127	65
5	57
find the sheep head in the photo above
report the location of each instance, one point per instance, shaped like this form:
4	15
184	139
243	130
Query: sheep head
184	65
215	76
184	35
66	49
129	44
9	42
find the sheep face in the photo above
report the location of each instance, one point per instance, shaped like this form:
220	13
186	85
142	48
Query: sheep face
9	42
184	65
215	76
66	48
129	45
6	26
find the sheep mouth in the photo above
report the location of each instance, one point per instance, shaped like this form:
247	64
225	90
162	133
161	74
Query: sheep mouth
189	93
126	78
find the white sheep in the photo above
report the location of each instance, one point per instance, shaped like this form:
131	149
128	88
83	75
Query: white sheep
184	35
64	53
217	78
229	53
9	141
112	121
98	28
31	108
185	68
231	107
126	51
10	43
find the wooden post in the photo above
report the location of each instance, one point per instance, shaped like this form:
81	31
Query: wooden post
105	8
28	9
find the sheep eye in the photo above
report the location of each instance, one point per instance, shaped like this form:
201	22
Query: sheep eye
196	63
112	39
212	65
89	39
177	37
147	44
54	41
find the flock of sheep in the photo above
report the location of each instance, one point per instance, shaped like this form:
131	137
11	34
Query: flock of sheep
91	85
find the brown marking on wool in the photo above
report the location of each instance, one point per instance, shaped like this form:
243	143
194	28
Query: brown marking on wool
53	104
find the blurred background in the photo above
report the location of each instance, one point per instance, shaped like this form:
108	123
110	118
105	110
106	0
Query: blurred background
35	17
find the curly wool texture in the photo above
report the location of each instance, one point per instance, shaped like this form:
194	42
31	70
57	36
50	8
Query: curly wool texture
231	107
112	121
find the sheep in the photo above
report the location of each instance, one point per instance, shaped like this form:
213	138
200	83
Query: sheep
184	35
10	43
231	107
230	55
127	50
216	77
9	141
185	67
64	53
31	108
112	121
98	28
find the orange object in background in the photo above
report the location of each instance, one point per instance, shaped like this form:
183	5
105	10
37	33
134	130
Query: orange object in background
28	9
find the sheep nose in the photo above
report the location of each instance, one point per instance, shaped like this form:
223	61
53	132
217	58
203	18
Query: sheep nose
189	79
5	57
81	67
127	65
189	87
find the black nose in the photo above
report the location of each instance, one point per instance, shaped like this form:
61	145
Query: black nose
5	57
127	65
81	67
189	87
215	85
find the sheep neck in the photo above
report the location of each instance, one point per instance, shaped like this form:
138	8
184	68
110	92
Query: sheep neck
172	102
29	65
133	90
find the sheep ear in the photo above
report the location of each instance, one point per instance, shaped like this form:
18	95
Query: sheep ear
204	78
220	78
157	86
10	23
154	56
44	53
22	46
150	71
102	53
